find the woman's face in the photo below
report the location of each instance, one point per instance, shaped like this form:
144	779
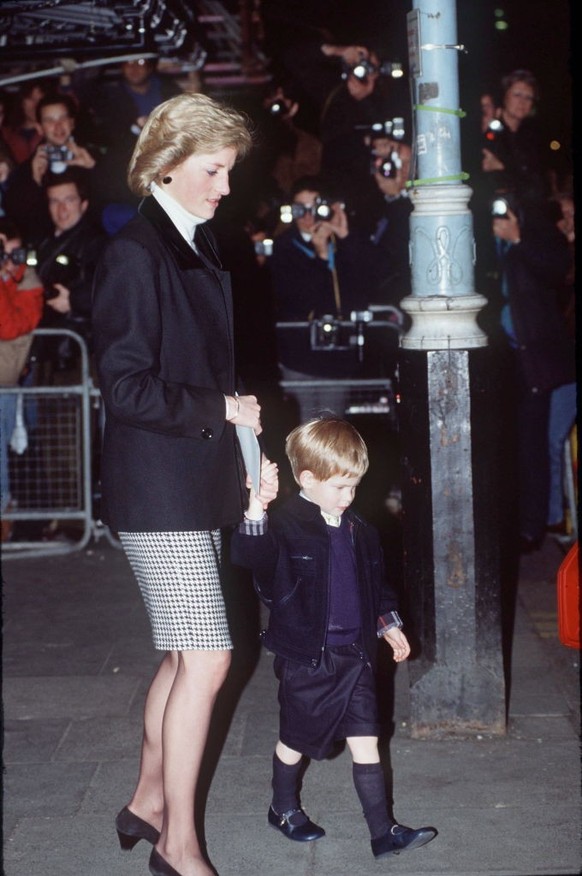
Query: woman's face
201	181
518	101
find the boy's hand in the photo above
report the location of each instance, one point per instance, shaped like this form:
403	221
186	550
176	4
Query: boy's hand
399	644
269	487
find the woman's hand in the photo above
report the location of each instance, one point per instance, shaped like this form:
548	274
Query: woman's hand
244	410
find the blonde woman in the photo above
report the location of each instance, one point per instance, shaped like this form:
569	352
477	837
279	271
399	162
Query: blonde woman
170	467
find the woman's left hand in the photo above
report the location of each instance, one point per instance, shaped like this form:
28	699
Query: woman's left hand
248	412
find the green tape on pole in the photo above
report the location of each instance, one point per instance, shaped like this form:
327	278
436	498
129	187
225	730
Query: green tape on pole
436	179
440	109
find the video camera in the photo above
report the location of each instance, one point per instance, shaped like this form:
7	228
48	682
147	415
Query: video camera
320	209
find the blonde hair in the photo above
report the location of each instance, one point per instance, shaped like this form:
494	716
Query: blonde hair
326	447
179	127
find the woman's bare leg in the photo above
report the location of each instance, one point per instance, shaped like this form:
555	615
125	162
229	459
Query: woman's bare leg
198	679
148	798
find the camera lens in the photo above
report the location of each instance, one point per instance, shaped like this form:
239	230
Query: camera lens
499	208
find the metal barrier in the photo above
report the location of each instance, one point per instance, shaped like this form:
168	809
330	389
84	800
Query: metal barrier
51	461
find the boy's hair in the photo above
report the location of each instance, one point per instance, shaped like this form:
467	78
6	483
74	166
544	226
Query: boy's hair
326	446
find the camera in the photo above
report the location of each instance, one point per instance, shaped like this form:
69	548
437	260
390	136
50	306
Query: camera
495	140
392	129
364	68
494	129
18	256
360	70
64	270
388	168
320	209
58	157
499	208
329	333
276	107
264	247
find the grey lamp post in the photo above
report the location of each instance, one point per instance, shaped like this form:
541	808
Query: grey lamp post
447	426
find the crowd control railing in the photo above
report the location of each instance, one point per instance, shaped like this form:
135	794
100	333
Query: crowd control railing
50	456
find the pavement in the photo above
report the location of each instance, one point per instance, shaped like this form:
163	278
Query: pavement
76	665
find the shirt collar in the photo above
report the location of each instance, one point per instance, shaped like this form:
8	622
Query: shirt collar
184	221
330	519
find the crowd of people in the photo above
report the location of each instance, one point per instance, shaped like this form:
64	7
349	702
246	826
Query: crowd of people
317	227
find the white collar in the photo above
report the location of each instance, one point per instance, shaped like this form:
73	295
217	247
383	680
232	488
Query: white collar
330	519
184	221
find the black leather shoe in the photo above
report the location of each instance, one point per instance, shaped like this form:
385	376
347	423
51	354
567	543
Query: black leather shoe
159	866
131	829
295	825
400	838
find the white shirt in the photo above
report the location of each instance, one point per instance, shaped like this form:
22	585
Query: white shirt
184	221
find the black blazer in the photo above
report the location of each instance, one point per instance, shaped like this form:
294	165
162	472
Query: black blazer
163	334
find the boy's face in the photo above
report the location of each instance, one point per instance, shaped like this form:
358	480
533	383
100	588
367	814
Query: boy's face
333	495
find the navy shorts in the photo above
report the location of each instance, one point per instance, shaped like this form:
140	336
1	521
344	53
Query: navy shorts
319	706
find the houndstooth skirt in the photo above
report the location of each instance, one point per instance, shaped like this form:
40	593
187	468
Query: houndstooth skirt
179	579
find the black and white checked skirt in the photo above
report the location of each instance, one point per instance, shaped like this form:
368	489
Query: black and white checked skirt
178	575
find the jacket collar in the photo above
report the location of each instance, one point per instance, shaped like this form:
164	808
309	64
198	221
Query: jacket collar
307	510
207	254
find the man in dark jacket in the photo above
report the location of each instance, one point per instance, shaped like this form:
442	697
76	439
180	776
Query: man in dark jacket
530	333
67	259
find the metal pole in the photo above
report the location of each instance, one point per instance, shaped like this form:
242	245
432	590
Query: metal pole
447	426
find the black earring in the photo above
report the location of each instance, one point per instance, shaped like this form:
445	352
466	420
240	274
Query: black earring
167	180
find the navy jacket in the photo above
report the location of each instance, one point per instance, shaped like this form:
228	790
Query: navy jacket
163	336
291	565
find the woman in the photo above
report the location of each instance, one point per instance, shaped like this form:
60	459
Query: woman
513	154
170	464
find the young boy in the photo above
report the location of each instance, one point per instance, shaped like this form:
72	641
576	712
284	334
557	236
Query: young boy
318	567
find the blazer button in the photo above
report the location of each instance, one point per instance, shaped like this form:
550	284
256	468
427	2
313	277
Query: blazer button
207	432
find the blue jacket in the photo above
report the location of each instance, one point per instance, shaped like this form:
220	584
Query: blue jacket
290	559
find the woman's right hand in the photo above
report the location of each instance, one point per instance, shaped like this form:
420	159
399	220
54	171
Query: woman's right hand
248	411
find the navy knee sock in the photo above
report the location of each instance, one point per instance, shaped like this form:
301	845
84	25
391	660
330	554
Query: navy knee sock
369	783
285	785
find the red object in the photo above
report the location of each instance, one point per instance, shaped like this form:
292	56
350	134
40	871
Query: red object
569	599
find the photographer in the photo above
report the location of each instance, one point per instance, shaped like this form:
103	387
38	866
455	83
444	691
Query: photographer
20	313
532	348
316	268
364	96
25	200
390	170
66	263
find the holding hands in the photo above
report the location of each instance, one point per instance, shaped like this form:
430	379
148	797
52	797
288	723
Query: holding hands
269	487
